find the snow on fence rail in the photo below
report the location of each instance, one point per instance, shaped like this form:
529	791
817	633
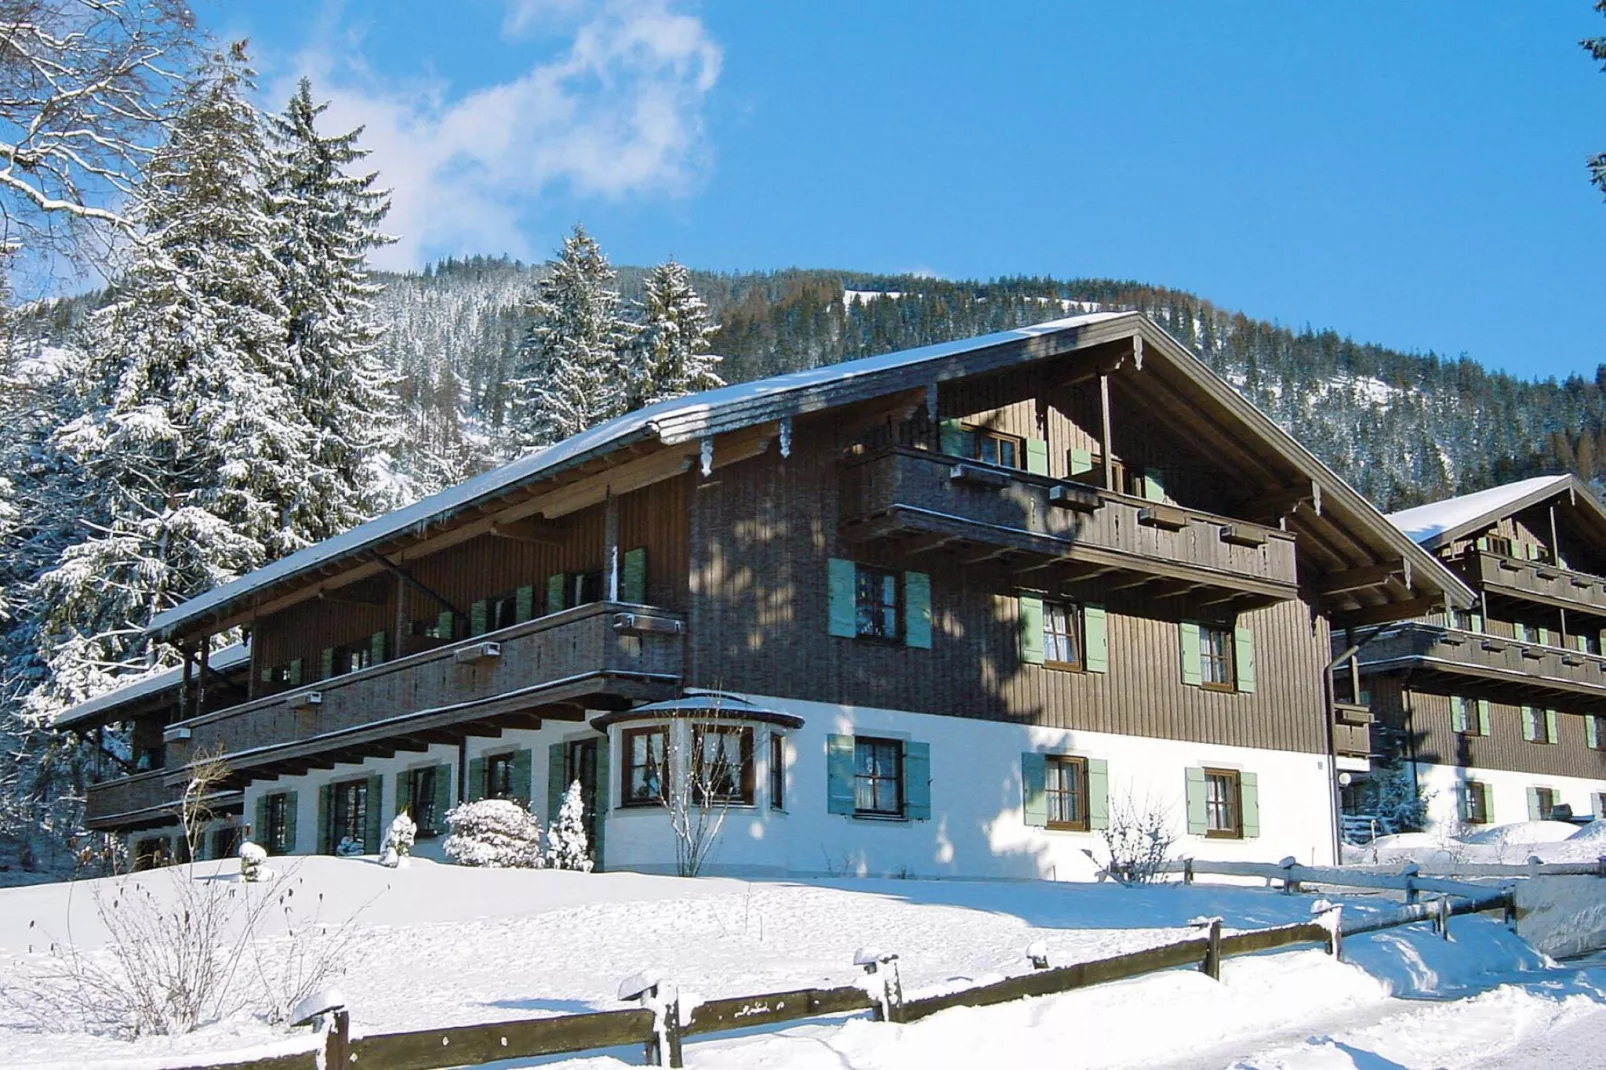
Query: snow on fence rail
658	1026
1407	878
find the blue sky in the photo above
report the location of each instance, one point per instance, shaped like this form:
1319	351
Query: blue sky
1411	174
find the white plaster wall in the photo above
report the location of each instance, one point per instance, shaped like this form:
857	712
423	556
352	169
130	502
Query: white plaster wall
1508	792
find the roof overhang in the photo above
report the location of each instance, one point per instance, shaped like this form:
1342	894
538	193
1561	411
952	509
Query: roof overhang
1588	511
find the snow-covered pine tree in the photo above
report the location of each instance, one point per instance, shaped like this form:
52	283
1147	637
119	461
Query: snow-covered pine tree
566	844
671	354
328	221
569	372
189	439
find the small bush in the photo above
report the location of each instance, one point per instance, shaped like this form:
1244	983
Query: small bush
496	833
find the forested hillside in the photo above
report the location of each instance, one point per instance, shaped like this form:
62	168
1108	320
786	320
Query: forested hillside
1402	427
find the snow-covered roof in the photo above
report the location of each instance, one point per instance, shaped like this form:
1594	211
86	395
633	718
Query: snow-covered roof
227	658
1432	524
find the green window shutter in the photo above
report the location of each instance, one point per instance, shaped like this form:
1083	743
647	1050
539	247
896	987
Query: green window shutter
523	761
371	835
326	663
326	818
1198	823
479	617
443	625
525	608
599	819
1591	731
953	438
1249	800
839	774
917	781
1483	717
266	675
556	588
1533	804
376	647
474	790
1030	615
1188	637
555	787
404	792
1153	486
1483	544
1458	714
1098	794
1034	789
1477	622
841	576
1544	636
1488	804
295	672
443	795
1530	723
1550	726
1097	633
633	577
1081	462
917	610
292	818
1036	457
259	829
1243	655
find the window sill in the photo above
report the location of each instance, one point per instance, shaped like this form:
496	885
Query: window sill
898	819
1219	835
1066	828
1220	689
1063	666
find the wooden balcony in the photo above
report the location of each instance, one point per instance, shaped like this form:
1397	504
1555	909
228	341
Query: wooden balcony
919	499
1352	731
598	656
1492	667
1533	581
141	800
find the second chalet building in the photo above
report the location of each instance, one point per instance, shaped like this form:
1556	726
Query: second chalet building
950	611
1500	709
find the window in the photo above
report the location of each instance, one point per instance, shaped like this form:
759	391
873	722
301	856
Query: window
875	598
421	785
498	776
277	835
1595	731
151	853
643	772
878	776
995	447
1065	787
1498	544
350	818
777	771
226	842
722	764
1475	802
580	763
585	587
1600	805
1538	725
1544	803
1062	635
351	657
443	627
503	612
1215	657
1223	804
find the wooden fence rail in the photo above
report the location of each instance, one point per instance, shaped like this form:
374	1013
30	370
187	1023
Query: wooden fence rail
660	1031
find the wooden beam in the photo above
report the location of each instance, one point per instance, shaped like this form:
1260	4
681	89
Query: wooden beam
1383	614
1358	579
531	529
1283	500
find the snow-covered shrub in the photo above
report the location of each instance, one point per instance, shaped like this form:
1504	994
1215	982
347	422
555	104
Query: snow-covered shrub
566	846
493	832
253	859
1139	838
398	841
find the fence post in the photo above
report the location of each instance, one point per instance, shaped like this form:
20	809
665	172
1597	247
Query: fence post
1600	866
337	1044
671	1027
1187	869
1330	916
1211	966
884	967
1290	885
1444	917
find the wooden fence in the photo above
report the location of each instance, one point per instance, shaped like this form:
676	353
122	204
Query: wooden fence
1407	878
657	1026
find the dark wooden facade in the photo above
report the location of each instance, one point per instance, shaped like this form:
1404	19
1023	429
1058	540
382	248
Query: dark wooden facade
1147	489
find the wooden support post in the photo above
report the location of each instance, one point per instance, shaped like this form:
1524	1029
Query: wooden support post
1105	440
1444	917
186	706
1211	966
200	677
403	624
337	1042
610	545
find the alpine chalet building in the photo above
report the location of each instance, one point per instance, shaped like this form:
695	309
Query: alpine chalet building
953	611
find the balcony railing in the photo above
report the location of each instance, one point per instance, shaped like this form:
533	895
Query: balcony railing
123	802
898	493
1525	673
1534	581
554	665
1352	731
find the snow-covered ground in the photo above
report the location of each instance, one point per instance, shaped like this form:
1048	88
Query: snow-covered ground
442	945
1514	844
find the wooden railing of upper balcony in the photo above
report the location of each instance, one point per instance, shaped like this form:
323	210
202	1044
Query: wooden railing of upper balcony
130	799
897	492
1533	671
1533	580
1352	730
597	653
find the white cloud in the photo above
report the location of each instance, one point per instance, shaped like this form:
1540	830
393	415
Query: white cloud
617	112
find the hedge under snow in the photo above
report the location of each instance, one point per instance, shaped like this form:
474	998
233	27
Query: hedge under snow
496	833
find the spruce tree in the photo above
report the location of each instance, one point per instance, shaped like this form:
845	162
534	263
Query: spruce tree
328	221
189	439
569	371
671	356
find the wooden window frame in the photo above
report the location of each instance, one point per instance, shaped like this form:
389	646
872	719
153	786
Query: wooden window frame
505	604
744	780
582	582
1235	799
878	608
1547	800
1600	730
1076	634
1075	767
338	795
276	837
981	436
1209	658
874	778
492	771
418	801
777	770
1474	791
627	738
